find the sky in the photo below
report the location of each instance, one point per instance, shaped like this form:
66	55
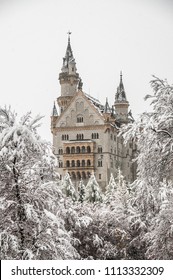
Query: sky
108	36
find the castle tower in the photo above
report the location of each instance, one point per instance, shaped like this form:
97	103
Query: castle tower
68	78
121	104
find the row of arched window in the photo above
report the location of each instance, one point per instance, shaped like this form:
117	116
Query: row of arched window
80	175
78	150
65	137
79	119
79	137
78	163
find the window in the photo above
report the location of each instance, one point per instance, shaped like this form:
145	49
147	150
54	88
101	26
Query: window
60	164
78	150
99	163
67	163
60	151
78	163
88	162
95	136
79	119
65	137
73	163
100	176
88	149
83	163
83	149
100	150
67	150
79	136
72	150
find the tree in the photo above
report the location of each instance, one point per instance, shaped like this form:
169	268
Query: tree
68	187
31	227
153	133
93	191
81	190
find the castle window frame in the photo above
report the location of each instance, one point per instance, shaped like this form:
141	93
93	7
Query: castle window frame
88	149
100	163
67	150
73	163
88	162
79	119
67	163
100	150
78	150
73	150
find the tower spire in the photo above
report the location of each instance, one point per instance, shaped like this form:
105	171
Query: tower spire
69	33
120	95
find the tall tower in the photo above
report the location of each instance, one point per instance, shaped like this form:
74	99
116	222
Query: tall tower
68	78
121	104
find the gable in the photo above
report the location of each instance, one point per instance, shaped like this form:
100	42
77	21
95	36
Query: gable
80	112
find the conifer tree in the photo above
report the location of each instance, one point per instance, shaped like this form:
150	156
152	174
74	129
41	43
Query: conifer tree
93	191
68	187
81	189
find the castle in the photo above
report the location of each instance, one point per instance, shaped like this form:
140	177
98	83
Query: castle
85	132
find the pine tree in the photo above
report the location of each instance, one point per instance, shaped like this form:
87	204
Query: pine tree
81	189
68	187
93	191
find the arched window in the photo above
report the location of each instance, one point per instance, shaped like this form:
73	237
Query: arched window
88	149
79	119
67	163
78	163
78	175
67	150
78	150
83	149
99	163
88	162
100	150
72	150
83	163
73	163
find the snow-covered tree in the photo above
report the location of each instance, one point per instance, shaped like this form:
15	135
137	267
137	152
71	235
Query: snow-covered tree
68	187
93	191
81	191
31	227
110	188
153	133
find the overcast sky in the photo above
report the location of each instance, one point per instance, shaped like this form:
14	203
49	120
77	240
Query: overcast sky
135	36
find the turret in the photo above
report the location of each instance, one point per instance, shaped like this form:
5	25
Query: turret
121	104
68	77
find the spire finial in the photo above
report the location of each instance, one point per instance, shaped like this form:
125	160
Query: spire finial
69	33
121	75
